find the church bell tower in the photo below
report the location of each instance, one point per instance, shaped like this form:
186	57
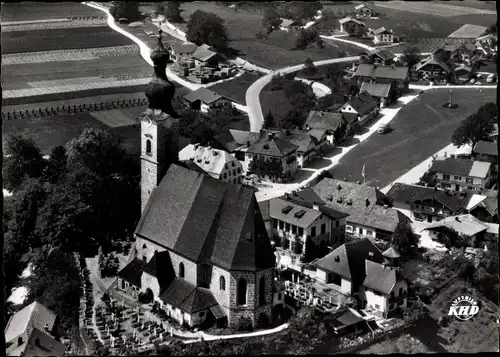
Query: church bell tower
159	139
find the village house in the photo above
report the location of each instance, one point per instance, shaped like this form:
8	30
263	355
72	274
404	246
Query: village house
333	123
206	56
236	142
486	151
348	322
272	158
32	332
432	68
205	100
298	227
466	226
182	52
358	269
308	146
463	74
219	164
369	213
380	57
484	208
382	93
461	174
426	203
287	24
381	36
363	106
351	26
468	32
364	10
397	77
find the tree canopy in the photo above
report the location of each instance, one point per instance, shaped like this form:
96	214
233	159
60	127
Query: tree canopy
270	19
125	9
298	10
309	67
476	127
404	240
269	121
172	12
207	28
411	56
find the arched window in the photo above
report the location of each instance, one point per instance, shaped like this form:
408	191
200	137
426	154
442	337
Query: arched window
123	284
148	147
262	291
241	293
144	246
181	270
222	283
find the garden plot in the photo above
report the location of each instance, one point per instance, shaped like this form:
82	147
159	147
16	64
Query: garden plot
54	25
61	39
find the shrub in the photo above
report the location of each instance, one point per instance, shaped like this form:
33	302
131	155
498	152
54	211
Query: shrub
245	324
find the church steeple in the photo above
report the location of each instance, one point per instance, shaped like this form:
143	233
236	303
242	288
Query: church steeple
160	91
159	138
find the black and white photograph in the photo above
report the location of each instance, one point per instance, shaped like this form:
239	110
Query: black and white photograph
249	177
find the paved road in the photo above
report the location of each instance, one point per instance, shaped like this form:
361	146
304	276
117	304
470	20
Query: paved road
253	92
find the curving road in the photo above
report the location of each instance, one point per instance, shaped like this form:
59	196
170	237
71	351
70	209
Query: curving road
253	92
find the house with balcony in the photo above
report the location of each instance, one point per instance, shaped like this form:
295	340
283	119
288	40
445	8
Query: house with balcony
426	203
272	158
219	164
305	231
32	332
205	100
181	52
463	73
397	77
310	145
351	26
336	127
369	213
358	269
461	174
236	142
432	68
206	56
486	151
364	106
365	11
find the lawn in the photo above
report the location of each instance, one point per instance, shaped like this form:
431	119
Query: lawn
27	11
33	75
420	129
436	9
60	39
242	26
274	102
236	88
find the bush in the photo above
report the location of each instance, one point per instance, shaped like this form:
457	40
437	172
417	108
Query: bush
245	324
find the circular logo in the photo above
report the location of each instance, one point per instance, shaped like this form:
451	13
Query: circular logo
463	308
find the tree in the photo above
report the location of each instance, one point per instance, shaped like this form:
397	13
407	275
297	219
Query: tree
307	36
411	56
271	19
159	8
309	67
272	168
489	110
56	166
269	121
471	130
125	9
205	27
173	12
404	240
359	31
22	160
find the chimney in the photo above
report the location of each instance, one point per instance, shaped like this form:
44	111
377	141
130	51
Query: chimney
196	146
367	202
214	153
316	206
270	136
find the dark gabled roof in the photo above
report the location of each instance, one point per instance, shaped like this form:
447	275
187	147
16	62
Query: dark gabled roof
401	192
204	95
37	344
375	71
301	139
207	220
348	260
380	90
132	272
462	167
183	47
350	117
362	103
383	54
34	315
318	134
203	53
381	278
433	60
324	120
188	297
308	198
272	147
486	147
233	139
292	216
334	107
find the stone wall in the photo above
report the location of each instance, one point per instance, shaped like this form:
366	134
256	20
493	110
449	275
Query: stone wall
128	289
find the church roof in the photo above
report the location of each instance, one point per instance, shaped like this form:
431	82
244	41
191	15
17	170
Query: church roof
207	220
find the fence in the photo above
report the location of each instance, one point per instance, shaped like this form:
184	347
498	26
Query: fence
88	18
71	109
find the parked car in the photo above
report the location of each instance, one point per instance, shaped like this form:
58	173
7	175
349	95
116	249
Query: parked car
384	128
491	78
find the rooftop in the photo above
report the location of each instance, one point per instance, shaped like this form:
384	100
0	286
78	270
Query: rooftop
381	278
233	139
381	30
324	120
350	19
375	71
205	220
210	160
271	145
292	213
35	315
36	344
187	297
303	140
376	89
204	53
132	272
462	167
185	47
204	95
363	102
465	224
486	147
430	61
468	31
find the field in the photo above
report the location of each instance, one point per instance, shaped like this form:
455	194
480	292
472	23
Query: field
26	11
274	102
61	39
436	9
138	30
236	88
423	124
486	5
242	26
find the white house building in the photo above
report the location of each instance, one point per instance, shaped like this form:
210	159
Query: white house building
462	174
205	100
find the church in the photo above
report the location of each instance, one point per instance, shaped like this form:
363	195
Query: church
202	252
